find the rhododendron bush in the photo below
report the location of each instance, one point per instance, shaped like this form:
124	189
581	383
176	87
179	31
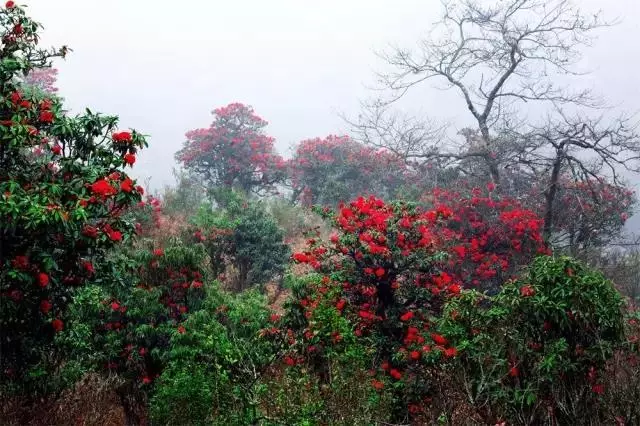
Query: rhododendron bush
328	170
63	191
391	267
537	351
233	152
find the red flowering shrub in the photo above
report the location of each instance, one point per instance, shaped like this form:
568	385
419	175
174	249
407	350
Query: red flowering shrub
393	266
337	168
130	322
233	152
63	190
538	349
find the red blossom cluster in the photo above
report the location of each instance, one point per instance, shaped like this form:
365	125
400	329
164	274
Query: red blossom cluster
487	238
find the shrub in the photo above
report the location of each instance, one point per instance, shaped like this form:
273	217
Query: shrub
63	188
537	350
389	273
244	236
337	169
215	367
124	325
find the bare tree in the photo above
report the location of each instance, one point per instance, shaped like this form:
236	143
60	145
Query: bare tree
499	57
496	56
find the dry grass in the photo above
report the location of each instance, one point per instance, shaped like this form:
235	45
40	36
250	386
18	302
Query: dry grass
93	401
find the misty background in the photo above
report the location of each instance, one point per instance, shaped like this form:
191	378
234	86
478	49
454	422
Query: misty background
164	65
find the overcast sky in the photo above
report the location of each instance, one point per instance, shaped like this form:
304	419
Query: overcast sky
162	66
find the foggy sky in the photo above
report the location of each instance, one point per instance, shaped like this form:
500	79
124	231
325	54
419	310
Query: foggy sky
162	66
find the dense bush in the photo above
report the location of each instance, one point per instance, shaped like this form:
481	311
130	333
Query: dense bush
123	324
246	237
537	350
215	367
392	268
63	190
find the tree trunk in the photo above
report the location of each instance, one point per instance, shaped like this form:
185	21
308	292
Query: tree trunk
550	195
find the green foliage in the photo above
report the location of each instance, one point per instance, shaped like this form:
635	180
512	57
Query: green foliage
125	326
215	366
539	346
245	235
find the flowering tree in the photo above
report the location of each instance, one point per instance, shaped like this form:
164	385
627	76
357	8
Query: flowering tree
589	213
43	79
234	152
337	168
63	191
393	266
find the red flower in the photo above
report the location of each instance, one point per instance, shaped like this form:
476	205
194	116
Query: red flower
45	306
115	235
115	306
439	339
146	380
88	266
17	29
46	116
527	291
57	325
181	330
158	252
43	279
341	304
103	188
56	149
25	104
598	389
514	372
450	352
300	257
121	137
129	159
90	231
20	262
126	185
140	190
289	361
395	374
407	316
491	186
10	4
16	97
454	289
415	355
380	272
196	284
377	384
